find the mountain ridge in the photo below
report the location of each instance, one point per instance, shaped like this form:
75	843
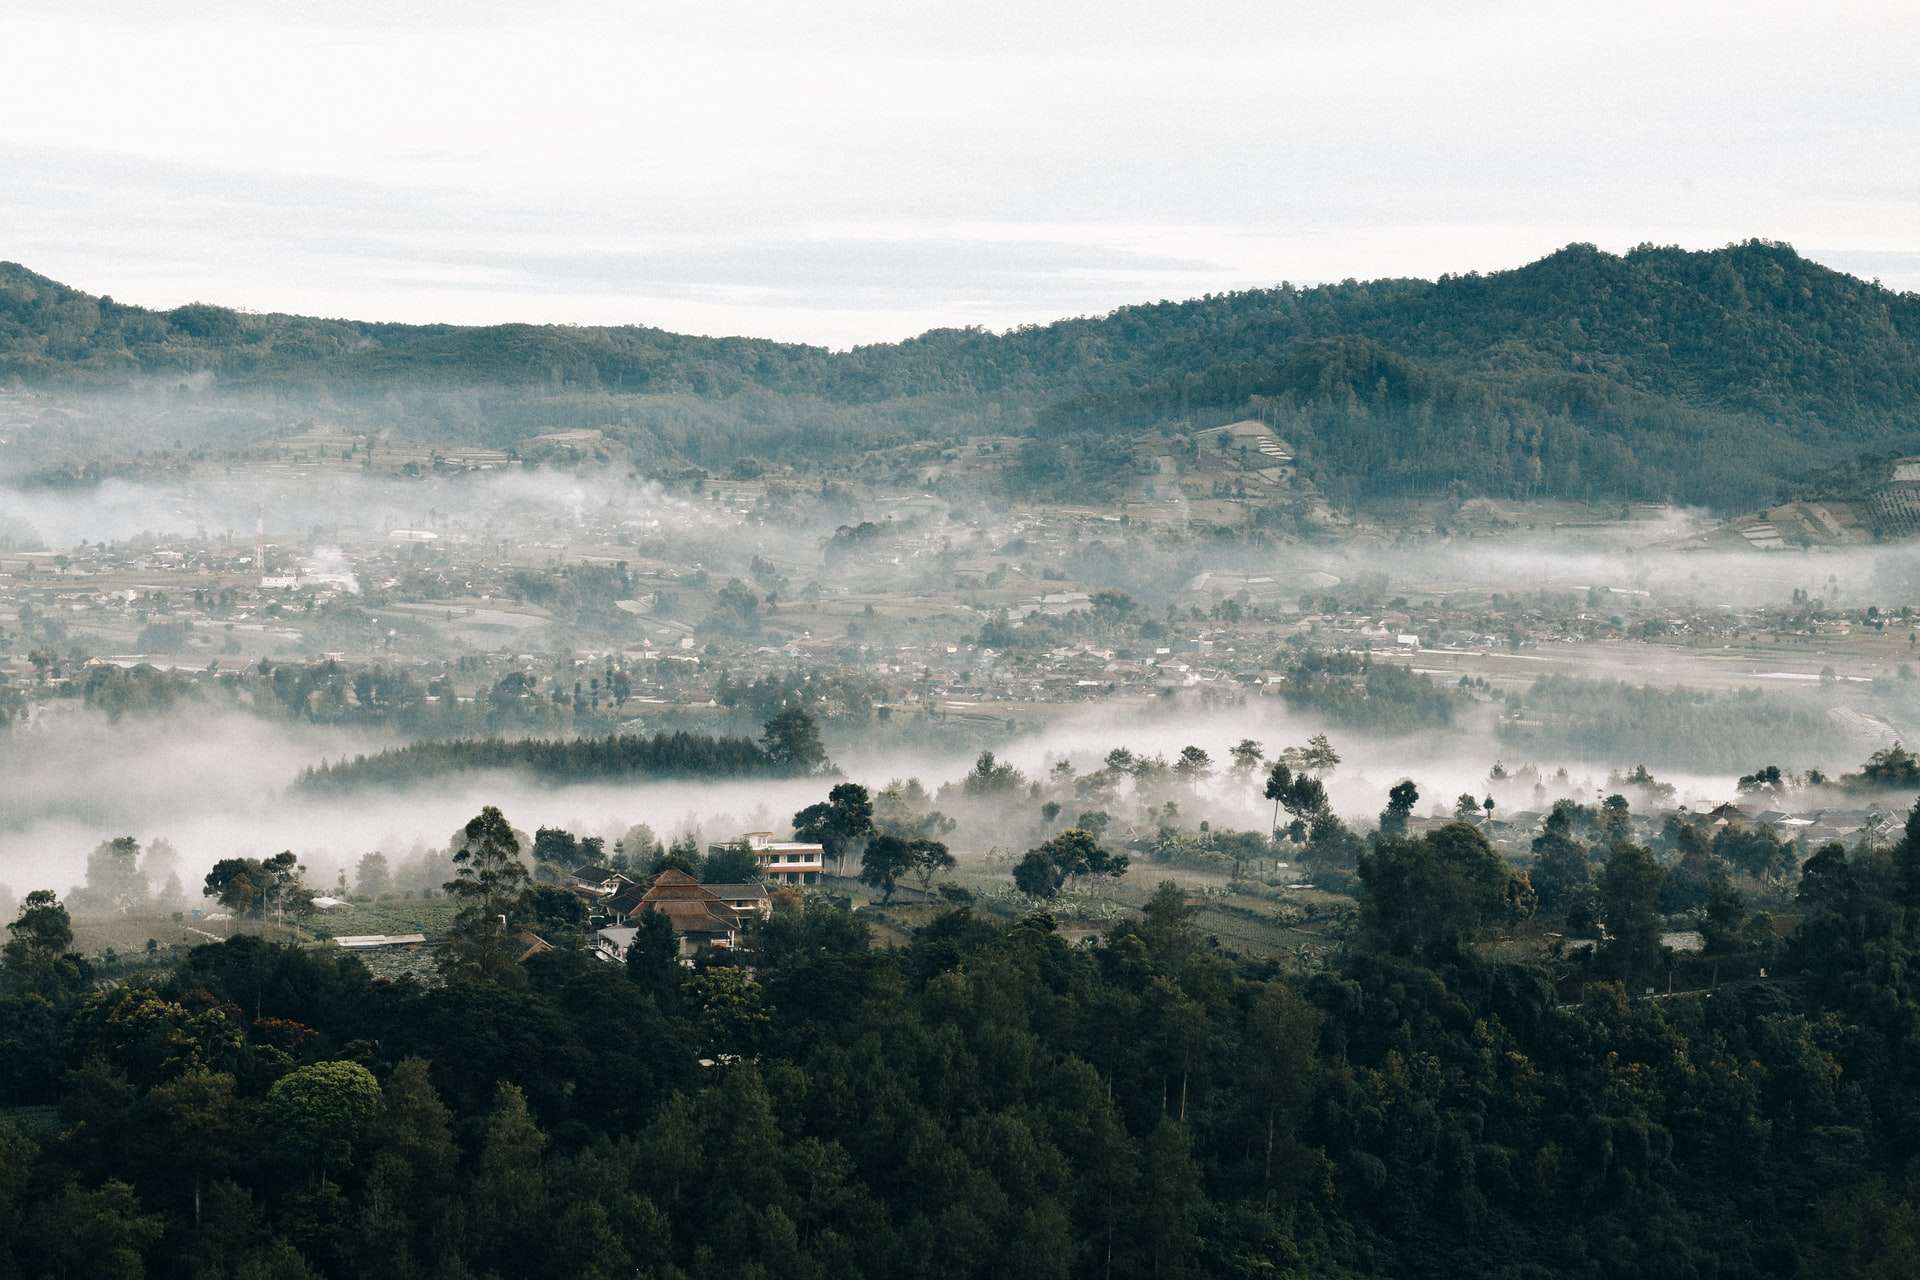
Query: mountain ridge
1699	375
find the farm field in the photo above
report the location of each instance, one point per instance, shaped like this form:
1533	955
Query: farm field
127	934
431	916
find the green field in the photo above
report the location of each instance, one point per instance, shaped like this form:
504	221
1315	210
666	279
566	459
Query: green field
1248	918
431	916
127	935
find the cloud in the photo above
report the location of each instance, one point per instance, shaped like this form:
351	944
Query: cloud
832	272
268	158
1897	269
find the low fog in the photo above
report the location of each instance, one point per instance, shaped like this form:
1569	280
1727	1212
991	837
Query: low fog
1669	556
1679	569
220	784
294	501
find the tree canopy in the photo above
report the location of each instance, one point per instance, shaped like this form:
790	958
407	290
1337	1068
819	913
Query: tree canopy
987	1096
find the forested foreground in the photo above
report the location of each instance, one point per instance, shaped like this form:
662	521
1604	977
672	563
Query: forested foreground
987	1100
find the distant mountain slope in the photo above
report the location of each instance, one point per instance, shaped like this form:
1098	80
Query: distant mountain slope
1714	377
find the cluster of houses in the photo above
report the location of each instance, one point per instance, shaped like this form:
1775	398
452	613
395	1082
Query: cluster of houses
1513	831
705	917
1810	828
209	605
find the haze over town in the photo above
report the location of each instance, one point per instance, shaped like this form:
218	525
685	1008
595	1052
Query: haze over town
741	641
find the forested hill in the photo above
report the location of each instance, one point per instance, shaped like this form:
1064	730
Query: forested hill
1716	376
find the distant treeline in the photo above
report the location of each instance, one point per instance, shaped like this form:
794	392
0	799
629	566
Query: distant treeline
1674	728
1354	691
676	754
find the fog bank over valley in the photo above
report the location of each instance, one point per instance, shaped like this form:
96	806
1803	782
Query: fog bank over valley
995	640
221	784
919	627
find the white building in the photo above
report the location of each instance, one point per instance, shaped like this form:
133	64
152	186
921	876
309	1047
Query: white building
785	861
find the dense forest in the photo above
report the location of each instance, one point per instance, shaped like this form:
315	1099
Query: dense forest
1720	377
990	1100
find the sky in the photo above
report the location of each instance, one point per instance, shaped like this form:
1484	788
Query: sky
848	171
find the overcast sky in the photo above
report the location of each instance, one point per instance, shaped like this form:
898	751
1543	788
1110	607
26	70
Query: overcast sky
839	172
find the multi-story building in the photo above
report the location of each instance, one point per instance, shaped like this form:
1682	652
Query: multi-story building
791	862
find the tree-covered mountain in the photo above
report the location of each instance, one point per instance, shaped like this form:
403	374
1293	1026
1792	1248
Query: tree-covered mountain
1716	377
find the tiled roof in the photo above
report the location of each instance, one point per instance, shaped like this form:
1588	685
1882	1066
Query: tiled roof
735	891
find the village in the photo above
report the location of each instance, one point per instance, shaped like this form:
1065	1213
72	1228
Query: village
407	592
932	612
